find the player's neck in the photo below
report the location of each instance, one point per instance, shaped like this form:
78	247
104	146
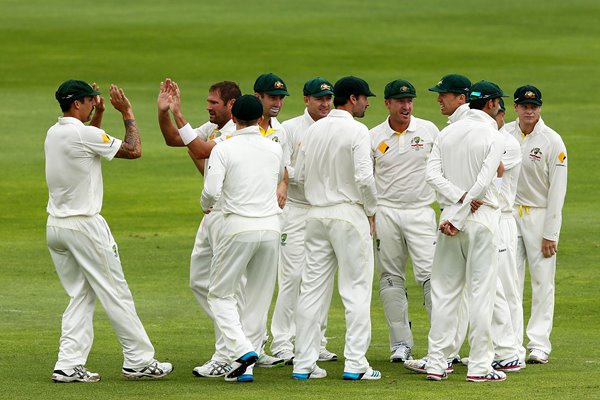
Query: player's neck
266	123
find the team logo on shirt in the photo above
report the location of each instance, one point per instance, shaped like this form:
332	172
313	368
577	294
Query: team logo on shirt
535	154
105	138
283	238
115	250
562	157
383	147
275	139
416	143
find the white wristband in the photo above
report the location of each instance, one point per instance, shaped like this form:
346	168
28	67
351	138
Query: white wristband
187	134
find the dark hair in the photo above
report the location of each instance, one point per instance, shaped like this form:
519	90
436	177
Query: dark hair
340	100
247	123
478	104
228	90
66	104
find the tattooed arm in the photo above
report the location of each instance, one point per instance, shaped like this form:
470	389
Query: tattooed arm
131	147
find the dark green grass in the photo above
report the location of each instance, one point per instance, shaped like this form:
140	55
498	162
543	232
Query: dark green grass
152	204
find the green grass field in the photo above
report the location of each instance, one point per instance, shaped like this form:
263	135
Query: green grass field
153	207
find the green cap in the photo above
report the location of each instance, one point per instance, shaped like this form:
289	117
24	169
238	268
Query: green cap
270	84
528	94
72	90
453	83
247	108
502	107
485	90
399	89
351	85
318	87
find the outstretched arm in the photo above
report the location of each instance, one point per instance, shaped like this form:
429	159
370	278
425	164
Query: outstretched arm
131	147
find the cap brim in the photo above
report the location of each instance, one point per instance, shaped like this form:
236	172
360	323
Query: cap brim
528	101
401	96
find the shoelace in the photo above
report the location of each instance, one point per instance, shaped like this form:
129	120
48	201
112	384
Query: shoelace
153	369
80	371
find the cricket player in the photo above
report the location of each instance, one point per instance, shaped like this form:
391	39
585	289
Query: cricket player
318	98
337	173
82	247
220	99
244	171
539	200
405	221
463	168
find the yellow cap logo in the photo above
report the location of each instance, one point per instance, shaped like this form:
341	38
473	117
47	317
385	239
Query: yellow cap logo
404	89
529	95
325	86
278	85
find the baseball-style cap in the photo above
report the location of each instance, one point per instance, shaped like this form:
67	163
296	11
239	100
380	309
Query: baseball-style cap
351	85
485	90
270	84
452	83
528	94
399	89
247	108
318	87
72	90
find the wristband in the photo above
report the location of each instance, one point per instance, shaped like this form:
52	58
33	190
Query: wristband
187	134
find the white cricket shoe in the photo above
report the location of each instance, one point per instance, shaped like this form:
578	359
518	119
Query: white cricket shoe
77	374
401	354
154	370
317	373
267	361
246	377
212	369
286	355
420	366
326	355
369	375
494	376
239	366
507	365
537	357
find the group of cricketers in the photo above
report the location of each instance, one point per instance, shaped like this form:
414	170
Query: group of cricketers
291	204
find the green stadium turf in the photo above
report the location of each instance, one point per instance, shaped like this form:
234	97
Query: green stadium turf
152	204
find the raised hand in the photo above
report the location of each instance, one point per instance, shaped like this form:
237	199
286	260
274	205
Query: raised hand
119	101
164	96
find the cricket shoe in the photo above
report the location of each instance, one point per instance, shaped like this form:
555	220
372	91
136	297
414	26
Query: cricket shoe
369	375
401	354
239	366
420	366
154	370
317	373
326	355
267	361
494	376
246	377
286	355
436	377
77	374
212	369
507	365
537	357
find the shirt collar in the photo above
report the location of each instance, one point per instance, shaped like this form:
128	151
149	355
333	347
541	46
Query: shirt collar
336	112
459	113
70	120
412	126
249	130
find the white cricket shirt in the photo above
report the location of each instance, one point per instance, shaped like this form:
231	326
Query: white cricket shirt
511	159
543	178
336	165
401	162
73	167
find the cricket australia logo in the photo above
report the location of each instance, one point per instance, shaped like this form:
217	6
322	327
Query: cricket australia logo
275	139
278	85
115	250
535	154
283	238
416	143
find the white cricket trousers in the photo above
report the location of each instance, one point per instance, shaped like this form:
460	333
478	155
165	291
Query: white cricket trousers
470	258
205	245
400	233
337	238
530	225
291	264
87	262
249	246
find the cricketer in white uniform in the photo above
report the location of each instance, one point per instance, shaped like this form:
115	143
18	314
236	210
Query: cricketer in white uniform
82	247
463	167
405	222
538	206
453	98
337	173
221	97
244	171
318	98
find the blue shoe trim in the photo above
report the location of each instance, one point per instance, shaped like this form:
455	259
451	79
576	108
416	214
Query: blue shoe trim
352	376
248	356
300	376
245	378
